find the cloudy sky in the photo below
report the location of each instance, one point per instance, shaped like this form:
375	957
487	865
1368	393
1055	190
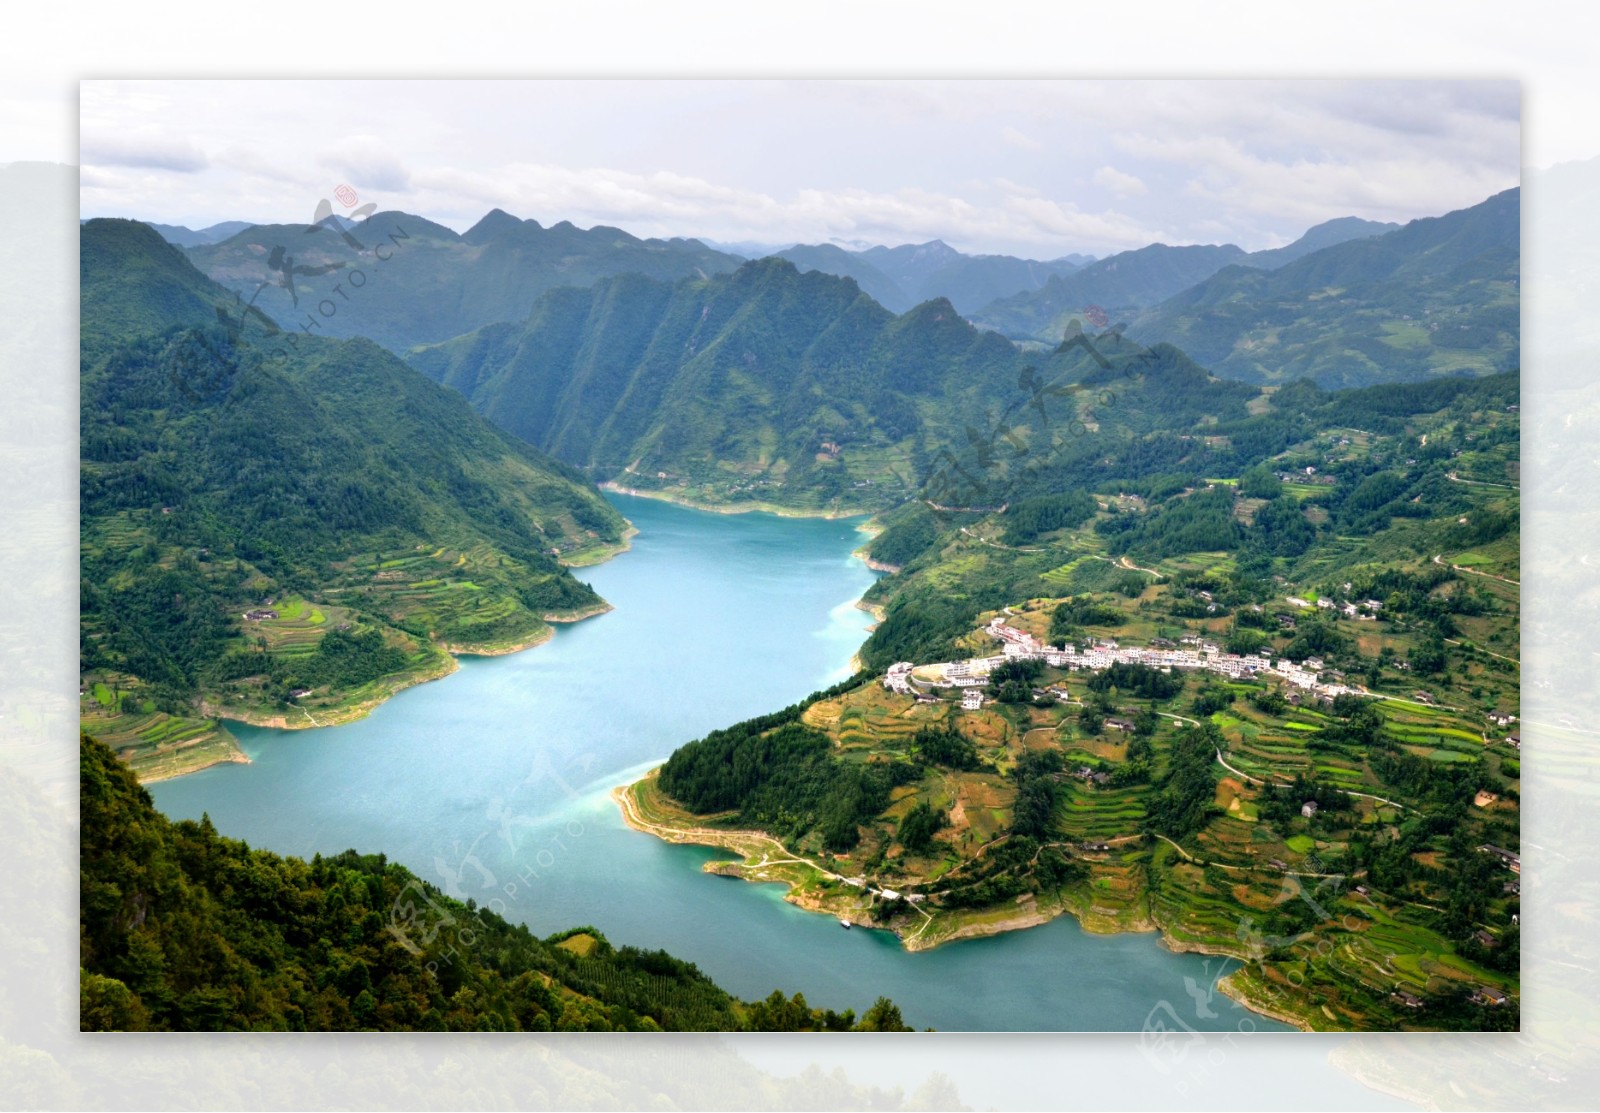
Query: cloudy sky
1031	168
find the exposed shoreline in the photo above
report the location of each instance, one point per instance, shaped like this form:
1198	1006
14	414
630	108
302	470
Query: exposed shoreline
605	552
1030	915
232	756
449	663
751	507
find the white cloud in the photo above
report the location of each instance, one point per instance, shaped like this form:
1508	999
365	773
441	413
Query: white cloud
367	163
1017	139
144	147
1094	166
1123	185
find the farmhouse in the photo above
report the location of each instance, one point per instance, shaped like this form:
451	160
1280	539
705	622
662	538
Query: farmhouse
1511	861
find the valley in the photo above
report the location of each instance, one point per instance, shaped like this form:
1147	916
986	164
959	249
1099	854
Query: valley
1204	625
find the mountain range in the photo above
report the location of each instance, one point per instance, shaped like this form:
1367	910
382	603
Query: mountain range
1132	280
780	387
766	384
402	280
194	237
901	277
1439	296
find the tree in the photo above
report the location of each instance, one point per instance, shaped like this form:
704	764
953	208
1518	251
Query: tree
883	1016
918	826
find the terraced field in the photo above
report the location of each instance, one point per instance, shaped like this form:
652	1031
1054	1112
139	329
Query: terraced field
157	745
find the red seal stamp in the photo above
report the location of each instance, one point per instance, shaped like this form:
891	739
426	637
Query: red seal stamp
347	196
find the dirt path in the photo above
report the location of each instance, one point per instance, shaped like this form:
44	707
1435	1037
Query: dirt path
1266	784
1454	478
997	545
1125	562
1244	869
1438	559
1480	649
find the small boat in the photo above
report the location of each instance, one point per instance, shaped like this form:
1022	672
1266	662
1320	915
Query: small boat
844	923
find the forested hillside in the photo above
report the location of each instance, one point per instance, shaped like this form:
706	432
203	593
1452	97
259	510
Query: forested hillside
1125	283
1439	296
1303	757
276	526
766	385
183	929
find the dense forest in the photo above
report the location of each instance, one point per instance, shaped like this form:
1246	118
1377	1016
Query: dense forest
186	930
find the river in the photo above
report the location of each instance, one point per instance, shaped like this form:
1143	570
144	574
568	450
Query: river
493	784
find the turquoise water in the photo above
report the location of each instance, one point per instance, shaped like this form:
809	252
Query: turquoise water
493	783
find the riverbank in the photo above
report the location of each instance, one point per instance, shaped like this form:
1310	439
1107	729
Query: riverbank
813	887
356	705
599	554
218	747
203	752
753	506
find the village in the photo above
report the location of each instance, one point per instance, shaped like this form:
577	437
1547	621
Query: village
1190	653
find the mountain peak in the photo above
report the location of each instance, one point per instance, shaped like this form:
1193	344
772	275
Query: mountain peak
494	224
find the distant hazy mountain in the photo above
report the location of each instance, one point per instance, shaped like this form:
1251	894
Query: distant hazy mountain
829	259
745	249
1323	235
901	277
1125	283
1118	284
403	280
1437	296
190	237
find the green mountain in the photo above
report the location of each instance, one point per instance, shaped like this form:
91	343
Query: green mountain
831	259
194	237
182	929
402	280
1438	296
767	385
1365	543
1132	280
1117	284
285	529
1316	238
969	282
899	278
